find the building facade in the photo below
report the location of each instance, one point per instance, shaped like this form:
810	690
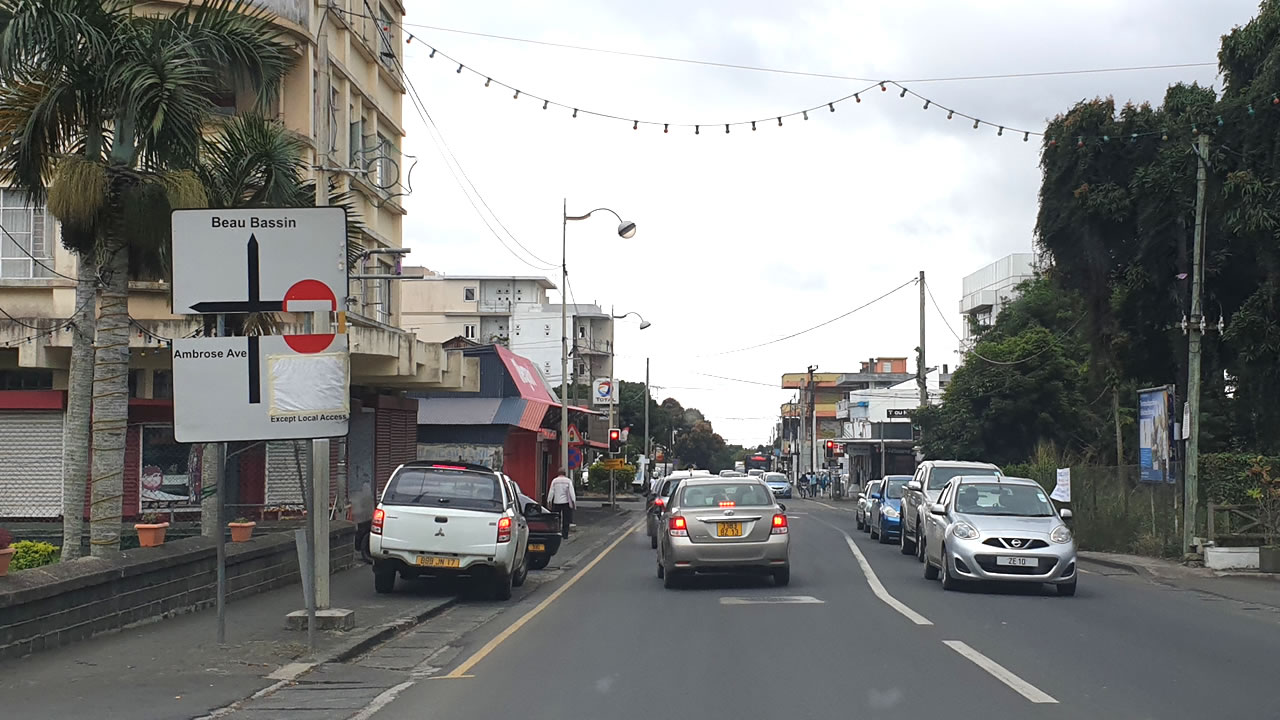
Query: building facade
347	80
987	291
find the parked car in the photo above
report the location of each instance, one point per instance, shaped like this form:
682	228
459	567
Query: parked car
884	512
449	519
860	515
724	525
544	532
657	503
923	490
778	483
1000	529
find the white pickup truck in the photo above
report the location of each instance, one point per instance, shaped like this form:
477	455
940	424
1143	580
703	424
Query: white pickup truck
442	518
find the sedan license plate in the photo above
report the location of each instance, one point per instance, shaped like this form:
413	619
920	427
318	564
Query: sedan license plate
444	562
729	529
1015	561
537	547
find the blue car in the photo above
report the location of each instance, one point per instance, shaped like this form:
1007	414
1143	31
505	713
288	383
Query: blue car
884	516
777	483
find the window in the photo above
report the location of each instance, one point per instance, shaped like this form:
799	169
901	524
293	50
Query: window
26	380
162	384
721	495
22	238
386	42
469	332
940	475
166	469
886	366
383	312
355	138
468	294
582	332
442	487
1002	499
384	169
894	487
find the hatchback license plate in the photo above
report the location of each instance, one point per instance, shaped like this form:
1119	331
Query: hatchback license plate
537	547
1015	561
729	529
444	562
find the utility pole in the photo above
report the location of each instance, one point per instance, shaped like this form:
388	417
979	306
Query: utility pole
920	367
813	419
1194	331
648	457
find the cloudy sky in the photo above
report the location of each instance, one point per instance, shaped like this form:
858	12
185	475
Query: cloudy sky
751	236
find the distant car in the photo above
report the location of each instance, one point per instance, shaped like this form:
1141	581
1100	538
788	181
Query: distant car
728	473
724	525
544	532
885	510
860	514
923	490
449	518
778	483
755	473
657	504
999	529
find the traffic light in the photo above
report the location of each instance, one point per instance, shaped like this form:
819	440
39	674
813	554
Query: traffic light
831	448
615	441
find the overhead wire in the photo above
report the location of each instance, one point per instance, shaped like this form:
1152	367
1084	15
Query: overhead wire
1052	342
35	259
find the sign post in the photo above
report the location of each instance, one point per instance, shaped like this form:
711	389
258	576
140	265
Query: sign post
273	387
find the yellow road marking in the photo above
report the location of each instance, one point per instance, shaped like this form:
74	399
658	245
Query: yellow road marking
482	653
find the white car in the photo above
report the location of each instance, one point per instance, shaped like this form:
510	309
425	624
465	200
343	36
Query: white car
442	519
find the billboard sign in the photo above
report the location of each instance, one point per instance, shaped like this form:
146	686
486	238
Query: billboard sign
602	392
1155	434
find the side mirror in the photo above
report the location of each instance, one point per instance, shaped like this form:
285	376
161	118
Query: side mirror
1065	513
862	496
938	509
875	496
532	509
914	485
782	507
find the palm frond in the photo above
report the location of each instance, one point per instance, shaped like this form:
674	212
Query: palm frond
252	161
240	40
55	33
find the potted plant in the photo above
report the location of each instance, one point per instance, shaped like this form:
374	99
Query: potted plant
151	530
6	551
241	529
1267	494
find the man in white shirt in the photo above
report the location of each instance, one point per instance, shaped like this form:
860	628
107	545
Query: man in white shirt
562	499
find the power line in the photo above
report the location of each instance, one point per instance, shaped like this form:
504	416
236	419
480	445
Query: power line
37	260
819	325
775	386
1053	341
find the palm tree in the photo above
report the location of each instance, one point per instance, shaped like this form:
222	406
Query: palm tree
110	108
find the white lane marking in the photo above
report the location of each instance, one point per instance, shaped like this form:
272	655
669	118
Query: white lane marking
878	588
772	600
999	672
383	699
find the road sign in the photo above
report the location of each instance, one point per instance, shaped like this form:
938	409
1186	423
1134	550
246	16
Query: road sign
602	392
613	463
285	394
575	438
260	260
575	458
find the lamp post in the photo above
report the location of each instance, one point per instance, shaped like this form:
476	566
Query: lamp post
626	230
618	388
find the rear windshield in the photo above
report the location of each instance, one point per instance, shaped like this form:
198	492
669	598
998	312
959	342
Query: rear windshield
775	477
451	488
720	494
942	475
894	487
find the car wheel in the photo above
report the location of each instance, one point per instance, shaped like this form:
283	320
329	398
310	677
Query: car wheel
919	540
653	542
949	581
670	580
384	581
857	520
930	572
522	573
501	587
781	578
539	562
662	570
874	532
884	540
1066	589
904	547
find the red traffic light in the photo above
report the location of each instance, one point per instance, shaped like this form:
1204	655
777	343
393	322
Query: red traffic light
831	444
615	434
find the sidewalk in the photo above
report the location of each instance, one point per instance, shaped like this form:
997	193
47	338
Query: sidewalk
174	668
1247	587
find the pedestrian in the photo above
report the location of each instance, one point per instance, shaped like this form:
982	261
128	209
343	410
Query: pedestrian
362	513
562	499
824	483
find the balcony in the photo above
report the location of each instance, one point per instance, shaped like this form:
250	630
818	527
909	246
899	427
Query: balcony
586	346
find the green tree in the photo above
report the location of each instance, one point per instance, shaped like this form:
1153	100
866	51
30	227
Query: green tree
700	447
109	107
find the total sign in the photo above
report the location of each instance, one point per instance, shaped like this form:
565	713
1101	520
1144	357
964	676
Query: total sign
603	393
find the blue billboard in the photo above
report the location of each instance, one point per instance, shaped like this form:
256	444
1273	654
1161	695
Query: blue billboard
1155	433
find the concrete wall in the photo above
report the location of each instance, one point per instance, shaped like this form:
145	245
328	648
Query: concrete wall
66	602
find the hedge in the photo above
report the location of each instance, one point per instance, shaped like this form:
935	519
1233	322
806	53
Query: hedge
598	478
1224	477
30	554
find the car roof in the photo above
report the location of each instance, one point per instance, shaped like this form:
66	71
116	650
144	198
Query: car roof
713	480
961	464
1000	479
896	477
448	465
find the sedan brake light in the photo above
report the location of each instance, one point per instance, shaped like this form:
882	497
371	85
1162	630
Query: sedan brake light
504	529
676	527
379	517
727	503
779	525
659	502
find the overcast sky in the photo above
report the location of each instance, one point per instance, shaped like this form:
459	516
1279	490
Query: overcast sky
751	236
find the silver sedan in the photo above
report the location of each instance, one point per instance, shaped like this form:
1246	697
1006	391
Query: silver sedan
724	525
998	529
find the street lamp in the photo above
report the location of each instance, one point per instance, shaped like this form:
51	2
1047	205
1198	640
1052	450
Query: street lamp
643	324
626	230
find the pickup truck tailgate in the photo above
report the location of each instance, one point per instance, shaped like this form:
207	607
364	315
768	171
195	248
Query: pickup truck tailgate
440	530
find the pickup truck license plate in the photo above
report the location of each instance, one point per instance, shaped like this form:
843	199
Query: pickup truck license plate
729	529
444	562
1015	561
537	547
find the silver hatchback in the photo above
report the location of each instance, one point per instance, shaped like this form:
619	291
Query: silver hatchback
998	529
724	525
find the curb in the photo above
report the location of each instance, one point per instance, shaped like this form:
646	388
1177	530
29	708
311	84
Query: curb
1090	557
377	636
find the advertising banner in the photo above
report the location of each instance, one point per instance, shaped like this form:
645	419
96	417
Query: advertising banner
1155	433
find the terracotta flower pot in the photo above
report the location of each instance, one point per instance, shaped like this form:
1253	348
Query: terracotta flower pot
151	535
241	532
6	556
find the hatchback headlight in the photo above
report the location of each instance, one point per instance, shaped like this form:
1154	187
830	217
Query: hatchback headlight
1060	534
889	512
964	531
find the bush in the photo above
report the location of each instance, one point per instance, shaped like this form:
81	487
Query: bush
1225	478
30	554
598	478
